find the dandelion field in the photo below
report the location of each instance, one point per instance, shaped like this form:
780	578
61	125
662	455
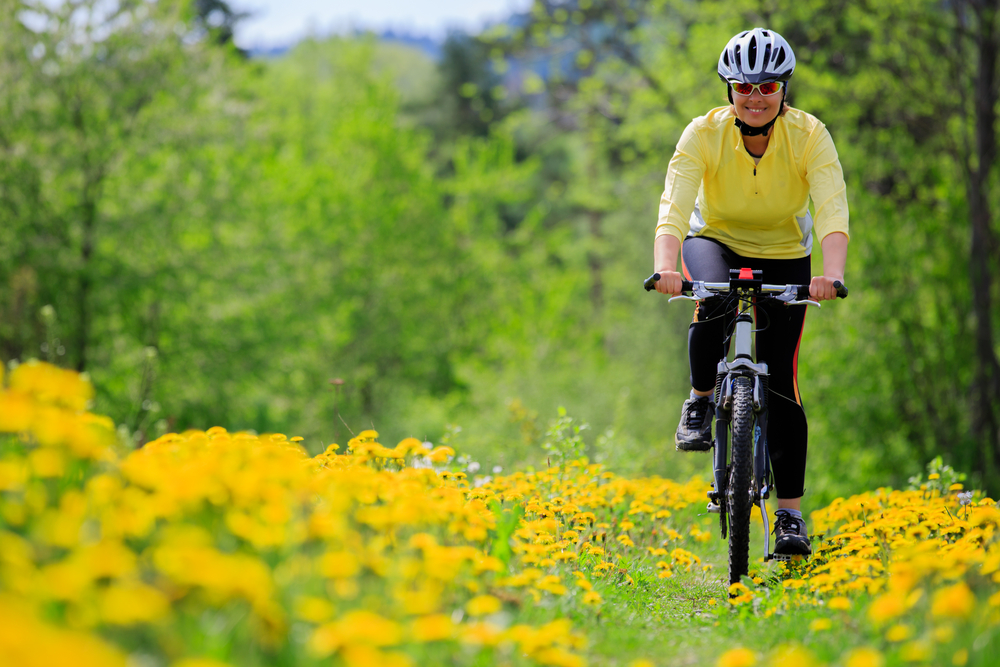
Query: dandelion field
210	548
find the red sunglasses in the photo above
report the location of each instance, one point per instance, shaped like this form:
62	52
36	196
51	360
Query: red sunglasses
766	89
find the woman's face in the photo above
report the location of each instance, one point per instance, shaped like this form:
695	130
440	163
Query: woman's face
755	109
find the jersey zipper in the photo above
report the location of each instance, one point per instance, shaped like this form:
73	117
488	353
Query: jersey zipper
755	188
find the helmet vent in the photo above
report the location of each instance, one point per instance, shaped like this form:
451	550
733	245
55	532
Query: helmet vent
767	53
725	58
752	56
780	58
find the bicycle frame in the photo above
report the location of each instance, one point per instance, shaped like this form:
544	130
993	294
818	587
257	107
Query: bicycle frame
742	365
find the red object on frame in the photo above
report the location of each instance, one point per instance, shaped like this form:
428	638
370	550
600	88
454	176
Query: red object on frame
746	274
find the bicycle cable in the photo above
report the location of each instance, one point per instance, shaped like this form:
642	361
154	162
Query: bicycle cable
771	391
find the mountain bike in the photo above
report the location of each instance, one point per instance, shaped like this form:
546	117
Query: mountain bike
742	474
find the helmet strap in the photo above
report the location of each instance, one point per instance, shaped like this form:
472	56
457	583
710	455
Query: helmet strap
750	130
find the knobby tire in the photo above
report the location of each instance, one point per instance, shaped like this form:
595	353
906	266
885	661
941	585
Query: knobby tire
738	501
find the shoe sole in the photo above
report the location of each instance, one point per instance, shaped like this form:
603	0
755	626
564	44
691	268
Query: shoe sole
796	552
679	448
691	445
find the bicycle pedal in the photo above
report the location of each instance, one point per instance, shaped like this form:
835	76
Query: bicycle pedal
781	558
714	508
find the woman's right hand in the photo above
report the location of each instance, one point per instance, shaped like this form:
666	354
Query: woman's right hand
669	282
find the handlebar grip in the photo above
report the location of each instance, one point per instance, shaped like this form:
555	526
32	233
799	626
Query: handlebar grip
841	289
650	284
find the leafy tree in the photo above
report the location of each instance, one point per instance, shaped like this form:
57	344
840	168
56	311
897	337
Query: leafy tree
471	90
89	80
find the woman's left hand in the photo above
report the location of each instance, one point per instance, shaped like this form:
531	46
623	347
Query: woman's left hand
821	287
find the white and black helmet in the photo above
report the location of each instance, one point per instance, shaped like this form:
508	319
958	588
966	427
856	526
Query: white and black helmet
755	56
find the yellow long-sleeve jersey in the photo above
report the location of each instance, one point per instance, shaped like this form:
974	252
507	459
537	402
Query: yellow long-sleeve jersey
714	189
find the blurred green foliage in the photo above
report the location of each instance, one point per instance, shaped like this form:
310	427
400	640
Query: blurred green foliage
352	236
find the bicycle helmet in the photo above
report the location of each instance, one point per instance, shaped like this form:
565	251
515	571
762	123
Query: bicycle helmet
756	56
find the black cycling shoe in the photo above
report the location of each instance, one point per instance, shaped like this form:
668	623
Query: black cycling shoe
694	433
792	538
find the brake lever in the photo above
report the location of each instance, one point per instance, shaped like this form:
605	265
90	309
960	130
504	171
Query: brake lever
684	297
790	298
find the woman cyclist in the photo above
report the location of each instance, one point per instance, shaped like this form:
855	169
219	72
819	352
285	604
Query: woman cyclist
737	196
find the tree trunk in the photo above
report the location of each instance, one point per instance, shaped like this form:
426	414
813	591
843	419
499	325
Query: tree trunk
986	385
83	297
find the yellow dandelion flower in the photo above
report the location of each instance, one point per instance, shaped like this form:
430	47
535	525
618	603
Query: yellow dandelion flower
339	564
960	658
17	412
737	657
355	627
592	597
132	604
839	603
944	634
793	656
313	609
433	627
47	462
820	624
552	584
481	634
483	605
367	656
886	607
899	632
864	657
559	657
955	601
916	651
739	594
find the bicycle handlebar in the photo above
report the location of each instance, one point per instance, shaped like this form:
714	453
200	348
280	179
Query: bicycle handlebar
798	291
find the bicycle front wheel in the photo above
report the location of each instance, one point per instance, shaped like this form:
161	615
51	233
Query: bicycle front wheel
738	492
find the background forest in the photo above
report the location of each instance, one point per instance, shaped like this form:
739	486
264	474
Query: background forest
353	235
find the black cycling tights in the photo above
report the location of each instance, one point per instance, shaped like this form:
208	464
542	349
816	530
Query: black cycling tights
779	332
